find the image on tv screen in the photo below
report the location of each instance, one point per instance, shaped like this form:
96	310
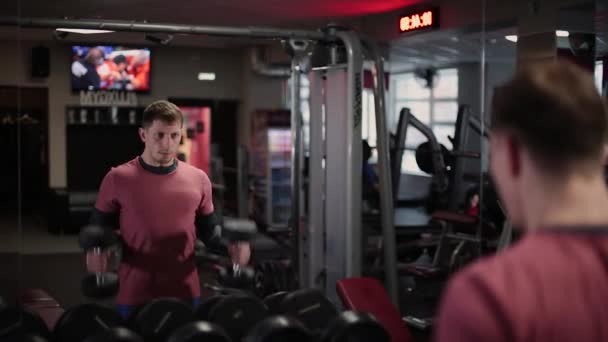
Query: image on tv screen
110	68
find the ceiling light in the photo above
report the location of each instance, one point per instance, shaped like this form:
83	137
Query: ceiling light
558	33
206	76
83	31
159	40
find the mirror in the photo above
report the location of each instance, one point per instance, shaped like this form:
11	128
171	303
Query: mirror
435	109
11	136
601	47
71	138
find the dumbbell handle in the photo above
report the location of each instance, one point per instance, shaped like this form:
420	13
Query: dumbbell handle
224	290
98	275
97	251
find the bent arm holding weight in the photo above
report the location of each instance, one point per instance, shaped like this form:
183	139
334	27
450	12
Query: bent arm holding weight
209	231
105	214
97	262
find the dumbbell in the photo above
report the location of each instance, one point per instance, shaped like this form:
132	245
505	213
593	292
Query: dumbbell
200	331
18	324
96	239
237	313
350	326
92	323
116	334
273	301
272	276
279	328
233	275
236	231
311	307
158	319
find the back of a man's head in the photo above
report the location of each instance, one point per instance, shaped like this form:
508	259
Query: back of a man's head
554	110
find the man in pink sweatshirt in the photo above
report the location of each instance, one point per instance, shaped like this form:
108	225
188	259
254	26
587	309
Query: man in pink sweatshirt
161	206
549	129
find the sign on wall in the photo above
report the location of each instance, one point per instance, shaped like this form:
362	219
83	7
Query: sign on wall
108	98
419	20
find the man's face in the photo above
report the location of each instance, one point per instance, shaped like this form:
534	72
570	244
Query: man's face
505	165
96	56
162	140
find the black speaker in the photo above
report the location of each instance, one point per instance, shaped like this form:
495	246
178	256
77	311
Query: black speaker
41	61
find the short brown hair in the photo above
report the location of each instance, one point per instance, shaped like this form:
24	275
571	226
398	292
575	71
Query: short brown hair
554	109
162	110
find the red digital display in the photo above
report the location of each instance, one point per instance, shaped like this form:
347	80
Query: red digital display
419	20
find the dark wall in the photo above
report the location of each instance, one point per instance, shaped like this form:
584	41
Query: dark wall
224	134
93	149
23	128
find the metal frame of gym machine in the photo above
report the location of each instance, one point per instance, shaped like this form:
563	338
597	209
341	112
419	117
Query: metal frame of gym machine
331	241
335	160
441	181
465	125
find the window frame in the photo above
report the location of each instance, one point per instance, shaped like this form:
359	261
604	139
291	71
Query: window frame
432	99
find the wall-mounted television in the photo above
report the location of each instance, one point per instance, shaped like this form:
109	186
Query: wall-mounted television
110	67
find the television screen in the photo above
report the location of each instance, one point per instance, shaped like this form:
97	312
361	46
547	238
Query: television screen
110	68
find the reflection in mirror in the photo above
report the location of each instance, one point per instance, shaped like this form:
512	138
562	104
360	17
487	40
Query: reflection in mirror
441	83
548	144
436	93
74	140
70	139
543	32
601	46
11	137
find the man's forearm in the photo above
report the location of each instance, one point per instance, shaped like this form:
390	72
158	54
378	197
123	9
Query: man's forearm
108	220
208	230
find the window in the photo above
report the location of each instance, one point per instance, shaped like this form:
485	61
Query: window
304	107
599	71
368	118
436	107
368	122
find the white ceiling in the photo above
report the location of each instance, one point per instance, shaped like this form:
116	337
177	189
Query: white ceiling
464	44
445	48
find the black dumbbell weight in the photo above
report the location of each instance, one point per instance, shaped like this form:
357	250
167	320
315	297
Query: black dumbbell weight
311	307
200	331
350	326
231	275
273	302
279	329
238	314
117	334
84	321
157	320
18	324
203	310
